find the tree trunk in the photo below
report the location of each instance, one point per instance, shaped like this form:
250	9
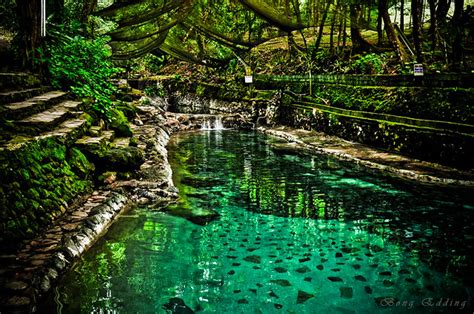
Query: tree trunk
29	13
88	7
379	25
458	27
390	30
331	36
402	15
417	39
321	25
433	30
359	44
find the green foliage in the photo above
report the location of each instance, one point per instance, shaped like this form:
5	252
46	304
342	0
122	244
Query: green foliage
369	64
8	16
82	66
155	90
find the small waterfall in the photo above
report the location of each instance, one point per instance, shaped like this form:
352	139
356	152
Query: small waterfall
218	123
206	124
212	123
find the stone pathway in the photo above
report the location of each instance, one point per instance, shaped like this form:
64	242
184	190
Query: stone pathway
373	158
29	274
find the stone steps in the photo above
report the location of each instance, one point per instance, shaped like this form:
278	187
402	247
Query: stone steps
96	144
67	132
50	118
19	95
121	142
31	106
13	81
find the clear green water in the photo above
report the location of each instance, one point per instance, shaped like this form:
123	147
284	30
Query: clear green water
296	234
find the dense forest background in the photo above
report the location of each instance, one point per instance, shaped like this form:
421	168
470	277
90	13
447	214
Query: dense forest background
223	37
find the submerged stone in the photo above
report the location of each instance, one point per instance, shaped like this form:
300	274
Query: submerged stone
360	278
320	267
281	270
308	279
335	279
243	301
273	294
278	306
302	260
346	292
302	270
253	259
368	290
281	282
303	296
177	305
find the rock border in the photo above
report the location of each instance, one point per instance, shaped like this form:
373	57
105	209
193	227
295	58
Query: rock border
409	174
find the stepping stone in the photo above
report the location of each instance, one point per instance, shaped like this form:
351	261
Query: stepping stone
335	279
306	259
350	249
253	259
302	270
273	294
385	273
281	270
308	279
360	278
346	292
303	296
320	267
281	282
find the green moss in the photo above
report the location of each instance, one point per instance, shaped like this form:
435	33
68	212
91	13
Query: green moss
38	179
119	123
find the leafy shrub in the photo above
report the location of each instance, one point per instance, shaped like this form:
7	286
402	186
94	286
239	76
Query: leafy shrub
369	64
82	66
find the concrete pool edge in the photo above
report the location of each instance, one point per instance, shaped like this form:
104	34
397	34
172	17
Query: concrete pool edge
372	158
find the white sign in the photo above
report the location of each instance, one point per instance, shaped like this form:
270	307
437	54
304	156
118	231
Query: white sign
248	79
418	69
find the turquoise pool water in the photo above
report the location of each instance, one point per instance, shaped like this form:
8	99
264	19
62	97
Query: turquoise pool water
296	234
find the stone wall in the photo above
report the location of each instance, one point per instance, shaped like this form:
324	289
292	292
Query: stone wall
445	147
38	179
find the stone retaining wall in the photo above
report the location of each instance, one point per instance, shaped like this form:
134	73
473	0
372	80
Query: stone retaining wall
427	80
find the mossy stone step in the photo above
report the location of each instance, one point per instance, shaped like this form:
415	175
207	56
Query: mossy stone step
20	110
67	132
11	81
48	119
19	95
95	145
95	130
121	142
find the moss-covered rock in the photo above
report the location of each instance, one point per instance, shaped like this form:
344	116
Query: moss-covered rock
119	123
123	158
38	179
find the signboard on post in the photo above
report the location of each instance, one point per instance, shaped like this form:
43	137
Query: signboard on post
418	69
248	75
